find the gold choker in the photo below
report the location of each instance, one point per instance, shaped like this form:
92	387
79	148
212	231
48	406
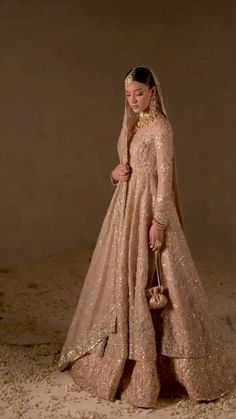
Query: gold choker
144	119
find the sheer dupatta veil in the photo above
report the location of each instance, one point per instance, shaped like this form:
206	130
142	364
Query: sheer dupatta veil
129	120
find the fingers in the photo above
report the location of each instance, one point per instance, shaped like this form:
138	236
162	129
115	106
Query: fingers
124	177
124	168
155	245
124	171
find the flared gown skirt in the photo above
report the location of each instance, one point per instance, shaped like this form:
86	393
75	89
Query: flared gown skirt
115	344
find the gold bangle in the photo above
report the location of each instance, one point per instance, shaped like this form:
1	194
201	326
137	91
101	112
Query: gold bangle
158	224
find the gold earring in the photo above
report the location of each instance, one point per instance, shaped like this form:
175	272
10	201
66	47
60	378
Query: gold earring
153	104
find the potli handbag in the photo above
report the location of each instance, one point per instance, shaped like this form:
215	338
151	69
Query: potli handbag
157	296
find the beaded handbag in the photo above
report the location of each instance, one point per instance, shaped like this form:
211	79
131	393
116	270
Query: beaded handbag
157	295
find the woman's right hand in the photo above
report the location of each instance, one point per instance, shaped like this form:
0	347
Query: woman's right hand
121	172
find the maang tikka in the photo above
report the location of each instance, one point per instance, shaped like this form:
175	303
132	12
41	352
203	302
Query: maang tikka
129	79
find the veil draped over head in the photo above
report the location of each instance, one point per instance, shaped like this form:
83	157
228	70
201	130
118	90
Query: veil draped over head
123	142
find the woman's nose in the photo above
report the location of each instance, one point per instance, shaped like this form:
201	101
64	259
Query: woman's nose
133	99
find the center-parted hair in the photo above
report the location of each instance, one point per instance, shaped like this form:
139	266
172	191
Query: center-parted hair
141	75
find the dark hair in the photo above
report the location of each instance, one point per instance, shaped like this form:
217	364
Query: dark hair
142	75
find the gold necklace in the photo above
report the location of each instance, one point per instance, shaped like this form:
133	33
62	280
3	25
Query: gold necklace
144	119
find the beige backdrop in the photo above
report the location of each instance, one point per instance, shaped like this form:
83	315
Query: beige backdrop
61	102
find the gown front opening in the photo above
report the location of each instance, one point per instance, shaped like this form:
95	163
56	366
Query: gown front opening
115	344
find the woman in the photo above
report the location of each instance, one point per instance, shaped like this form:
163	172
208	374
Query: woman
116	345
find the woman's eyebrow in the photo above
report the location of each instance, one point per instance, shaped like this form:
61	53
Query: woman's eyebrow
134	90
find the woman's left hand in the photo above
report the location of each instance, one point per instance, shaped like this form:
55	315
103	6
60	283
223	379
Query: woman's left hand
156	237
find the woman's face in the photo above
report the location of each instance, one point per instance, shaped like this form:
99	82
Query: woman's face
138	95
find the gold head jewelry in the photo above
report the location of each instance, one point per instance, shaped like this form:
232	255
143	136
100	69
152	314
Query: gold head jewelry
129	79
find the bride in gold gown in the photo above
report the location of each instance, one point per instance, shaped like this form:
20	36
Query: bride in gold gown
116	345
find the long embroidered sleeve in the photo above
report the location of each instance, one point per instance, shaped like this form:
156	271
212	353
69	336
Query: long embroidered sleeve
163	141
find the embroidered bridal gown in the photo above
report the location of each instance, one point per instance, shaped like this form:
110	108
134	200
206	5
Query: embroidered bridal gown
115	344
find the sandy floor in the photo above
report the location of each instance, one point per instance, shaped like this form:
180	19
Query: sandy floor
37	301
